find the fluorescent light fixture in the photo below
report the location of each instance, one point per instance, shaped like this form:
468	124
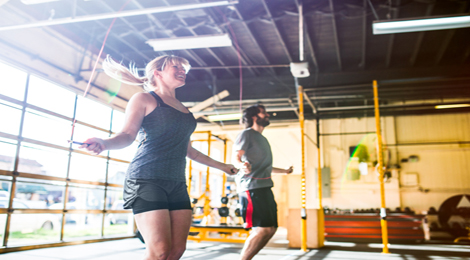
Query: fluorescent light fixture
95	17
420	24
33	2
225	117
191	42
452	106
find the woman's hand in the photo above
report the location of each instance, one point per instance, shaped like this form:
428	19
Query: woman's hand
94	145
246	167
230	169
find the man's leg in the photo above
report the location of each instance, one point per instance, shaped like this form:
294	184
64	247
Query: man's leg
258	238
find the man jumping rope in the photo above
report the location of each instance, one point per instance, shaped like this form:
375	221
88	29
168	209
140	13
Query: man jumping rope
253	153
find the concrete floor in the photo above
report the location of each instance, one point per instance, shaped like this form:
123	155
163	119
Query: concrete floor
276	250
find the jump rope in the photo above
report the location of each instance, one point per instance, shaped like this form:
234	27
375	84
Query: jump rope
239	69
94	68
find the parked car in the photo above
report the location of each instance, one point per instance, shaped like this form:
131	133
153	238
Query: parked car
77	219
68	218
118	218
27	222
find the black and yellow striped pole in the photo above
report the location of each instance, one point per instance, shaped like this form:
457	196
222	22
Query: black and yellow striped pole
303	210
383	212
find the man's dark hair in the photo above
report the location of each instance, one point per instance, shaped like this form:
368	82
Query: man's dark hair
249	113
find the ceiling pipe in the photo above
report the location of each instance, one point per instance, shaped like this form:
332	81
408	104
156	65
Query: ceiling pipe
243	67
86	18
327	109
220	112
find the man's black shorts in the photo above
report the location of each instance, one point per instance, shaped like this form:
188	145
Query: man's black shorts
259	209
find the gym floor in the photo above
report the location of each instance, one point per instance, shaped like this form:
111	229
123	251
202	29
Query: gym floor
276	250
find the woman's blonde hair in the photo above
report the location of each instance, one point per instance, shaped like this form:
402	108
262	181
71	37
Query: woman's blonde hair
131	75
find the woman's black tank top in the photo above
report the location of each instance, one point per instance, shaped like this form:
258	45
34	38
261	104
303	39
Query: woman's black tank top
164	136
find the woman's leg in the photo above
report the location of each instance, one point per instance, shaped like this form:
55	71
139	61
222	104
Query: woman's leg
156	229
180	224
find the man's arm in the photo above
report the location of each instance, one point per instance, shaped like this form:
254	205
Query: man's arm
244	166
286	171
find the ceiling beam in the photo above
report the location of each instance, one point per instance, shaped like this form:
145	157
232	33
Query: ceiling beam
466	54
444	46
105	5
449	36
419	41
57	67
402	90
384	112
236	49
399	106
276	30
388	59
250	33
362	65
243	66
117	38
310	46
96	17
189	29
335	35
190	53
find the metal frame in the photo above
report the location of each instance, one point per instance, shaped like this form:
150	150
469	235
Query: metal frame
203	232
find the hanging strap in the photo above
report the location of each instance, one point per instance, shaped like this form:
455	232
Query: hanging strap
160	102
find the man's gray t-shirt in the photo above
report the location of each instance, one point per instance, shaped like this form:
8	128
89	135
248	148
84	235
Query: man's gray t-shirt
258	154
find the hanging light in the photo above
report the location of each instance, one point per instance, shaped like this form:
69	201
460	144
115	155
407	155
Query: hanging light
420	24
191	42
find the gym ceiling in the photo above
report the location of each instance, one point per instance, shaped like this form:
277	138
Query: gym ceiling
415	71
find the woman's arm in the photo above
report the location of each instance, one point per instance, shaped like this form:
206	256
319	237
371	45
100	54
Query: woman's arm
199	157
135	112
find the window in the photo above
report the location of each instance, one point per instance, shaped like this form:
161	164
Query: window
7	153
43	160
38	194
85	197
46	128
93	113
47	163
10	118
52	97
118	121
117	172
12	82
87	167
82	132
42	227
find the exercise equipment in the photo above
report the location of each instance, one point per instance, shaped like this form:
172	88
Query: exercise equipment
207	231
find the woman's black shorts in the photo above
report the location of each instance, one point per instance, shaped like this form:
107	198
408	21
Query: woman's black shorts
259	209
142	195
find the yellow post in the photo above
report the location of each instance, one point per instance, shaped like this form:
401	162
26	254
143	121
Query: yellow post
206	191
190	176
321	215
207	207
383	213
224	180
303	210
